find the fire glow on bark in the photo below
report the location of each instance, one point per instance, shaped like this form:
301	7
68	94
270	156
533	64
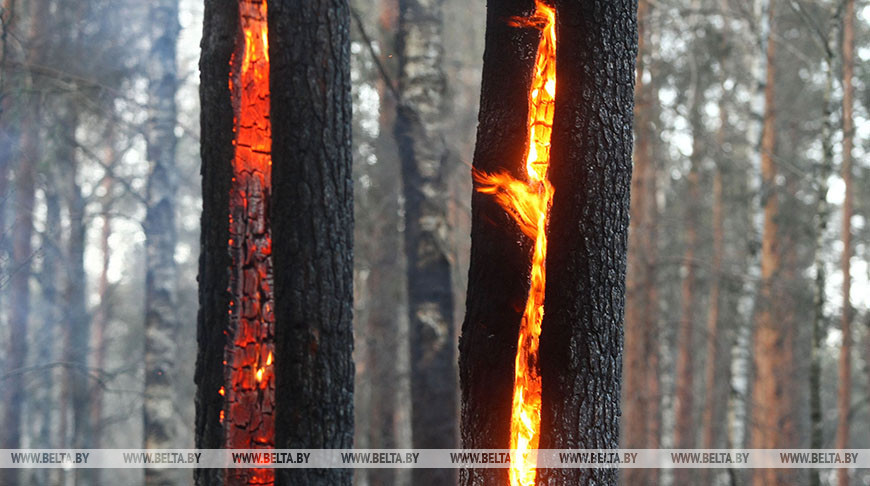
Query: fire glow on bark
528	202
249	394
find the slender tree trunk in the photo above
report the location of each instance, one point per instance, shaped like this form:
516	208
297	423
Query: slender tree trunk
161	275
640	398
773	421
684	432
101	318
823	212
28	157
845	391
313	230
423	152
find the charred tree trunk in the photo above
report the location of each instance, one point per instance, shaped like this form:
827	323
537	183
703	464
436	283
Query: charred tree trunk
309	213
220	33
773	418
641	396
313	230
845	391
581	340
161	275
423	152
498	276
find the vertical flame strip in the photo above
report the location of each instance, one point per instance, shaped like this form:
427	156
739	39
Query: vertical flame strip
528	202
249	393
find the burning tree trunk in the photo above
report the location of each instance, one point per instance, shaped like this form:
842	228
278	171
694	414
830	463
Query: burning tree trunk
305	341
161	427
641	396
845	392
423	153
516	394
773	419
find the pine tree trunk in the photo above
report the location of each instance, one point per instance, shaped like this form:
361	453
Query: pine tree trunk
423	153
641	396
220	32
684	431
773	419
845	391
498	276
313	230
581	339
161	275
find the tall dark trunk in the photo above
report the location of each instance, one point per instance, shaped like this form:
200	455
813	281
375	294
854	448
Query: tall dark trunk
161	275
581	340
423	152
220	33
313	230
498	276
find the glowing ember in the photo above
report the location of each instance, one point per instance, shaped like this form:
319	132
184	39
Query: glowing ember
529	203
250	391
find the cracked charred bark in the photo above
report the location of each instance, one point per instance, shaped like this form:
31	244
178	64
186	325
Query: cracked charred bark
581	341
423	152
160	422
220	31
312	221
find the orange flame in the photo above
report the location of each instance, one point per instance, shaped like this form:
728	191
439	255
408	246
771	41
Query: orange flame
249	393
528	202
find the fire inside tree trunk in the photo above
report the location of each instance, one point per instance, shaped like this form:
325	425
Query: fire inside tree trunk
251	354
581	335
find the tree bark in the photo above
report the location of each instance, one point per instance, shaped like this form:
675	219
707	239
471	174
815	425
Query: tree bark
581	339
161	275
498	275
220	33
312	230
844	396
641	396
773	418
28	156
423	152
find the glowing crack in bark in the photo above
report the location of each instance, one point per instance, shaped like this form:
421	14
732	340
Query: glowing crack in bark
249	394
528	202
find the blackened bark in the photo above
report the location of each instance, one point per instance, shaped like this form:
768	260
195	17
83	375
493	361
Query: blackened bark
581	337
312	230
423	152
498	276
216	121
161	285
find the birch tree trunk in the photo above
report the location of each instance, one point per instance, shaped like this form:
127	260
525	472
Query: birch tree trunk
423	153
161	275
